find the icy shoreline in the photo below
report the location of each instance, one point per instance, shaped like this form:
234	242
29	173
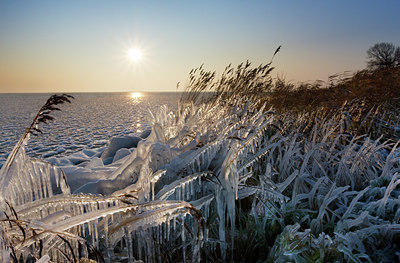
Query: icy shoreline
90	123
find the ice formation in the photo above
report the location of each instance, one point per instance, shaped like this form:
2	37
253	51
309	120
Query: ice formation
173	191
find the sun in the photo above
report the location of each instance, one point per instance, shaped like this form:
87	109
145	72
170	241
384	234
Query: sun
134	54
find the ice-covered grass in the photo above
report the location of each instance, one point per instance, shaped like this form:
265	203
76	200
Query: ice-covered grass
222	180
216	182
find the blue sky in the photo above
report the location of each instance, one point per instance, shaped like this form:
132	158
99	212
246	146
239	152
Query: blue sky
70	46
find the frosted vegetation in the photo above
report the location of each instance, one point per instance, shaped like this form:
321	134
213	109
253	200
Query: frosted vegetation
222	178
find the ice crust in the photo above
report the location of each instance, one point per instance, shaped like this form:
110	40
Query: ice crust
118	143
90	123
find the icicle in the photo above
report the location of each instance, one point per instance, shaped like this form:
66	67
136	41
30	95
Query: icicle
91	234
193	188
89	228
139	238
150	250
159	234
221	229
183	191
159	253
198	164
109	249
47	181
130	244
81	231
57	178
152	191
196	248
183	238
188	190
206	234
167	229
96	234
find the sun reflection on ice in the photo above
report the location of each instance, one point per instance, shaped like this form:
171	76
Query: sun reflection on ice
135	95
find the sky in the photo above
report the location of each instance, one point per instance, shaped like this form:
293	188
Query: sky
82	46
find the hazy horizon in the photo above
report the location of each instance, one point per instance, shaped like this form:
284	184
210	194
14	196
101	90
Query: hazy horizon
62	46
84	92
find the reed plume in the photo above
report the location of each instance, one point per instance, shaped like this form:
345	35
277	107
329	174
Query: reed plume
43	116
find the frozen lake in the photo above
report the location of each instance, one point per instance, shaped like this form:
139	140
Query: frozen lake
88	122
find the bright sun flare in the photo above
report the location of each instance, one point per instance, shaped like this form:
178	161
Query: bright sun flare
134	54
